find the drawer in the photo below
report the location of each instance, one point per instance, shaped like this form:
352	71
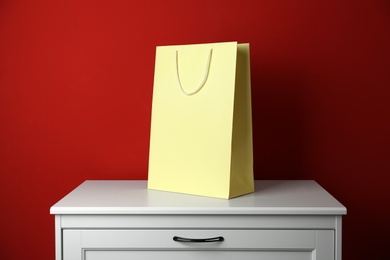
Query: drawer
192	239
148	244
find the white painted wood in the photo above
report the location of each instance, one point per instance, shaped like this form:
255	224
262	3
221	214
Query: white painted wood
248	244
338	237
132	197
198	255
58	237
72	246
325	245
233	239
123	220
202	221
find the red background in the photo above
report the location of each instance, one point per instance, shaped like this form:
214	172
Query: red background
76	83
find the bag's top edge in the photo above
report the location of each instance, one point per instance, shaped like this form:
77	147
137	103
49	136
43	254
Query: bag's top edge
194	44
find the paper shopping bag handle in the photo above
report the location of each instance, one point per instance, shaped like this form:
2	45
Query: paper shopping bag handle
206	74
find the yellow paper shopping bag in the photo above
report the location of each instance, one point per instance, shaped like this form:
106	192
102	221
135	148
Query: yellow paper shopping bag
201	130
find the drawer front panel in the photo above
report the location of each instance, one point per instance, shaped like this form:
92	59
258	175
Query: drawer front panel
198	255
232	239
237	244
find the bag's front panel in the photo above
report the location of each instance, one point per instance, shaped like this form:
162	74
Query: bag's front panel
191	135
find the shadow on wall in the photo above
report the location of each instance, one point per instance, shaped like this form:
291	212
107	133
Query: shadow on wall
278	114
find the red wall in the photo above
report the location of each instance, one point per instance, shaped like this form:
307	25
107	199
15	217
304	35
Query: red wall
75	101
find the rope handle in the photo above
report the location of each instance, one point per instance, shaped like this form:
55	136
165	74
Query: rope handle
206	75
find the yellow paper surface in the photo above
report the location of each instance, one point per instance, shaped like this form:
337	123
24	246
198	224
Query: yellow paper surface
192	136
241	177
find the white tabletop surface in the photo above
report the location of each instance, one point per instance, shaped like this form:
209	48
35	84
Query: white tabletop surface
132	197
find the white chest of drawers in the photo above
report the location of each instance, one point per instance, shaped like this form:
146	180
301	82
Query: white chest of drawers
117	220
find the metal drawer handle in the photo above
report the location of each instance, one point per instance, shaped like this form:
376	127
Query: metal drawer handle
198	240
